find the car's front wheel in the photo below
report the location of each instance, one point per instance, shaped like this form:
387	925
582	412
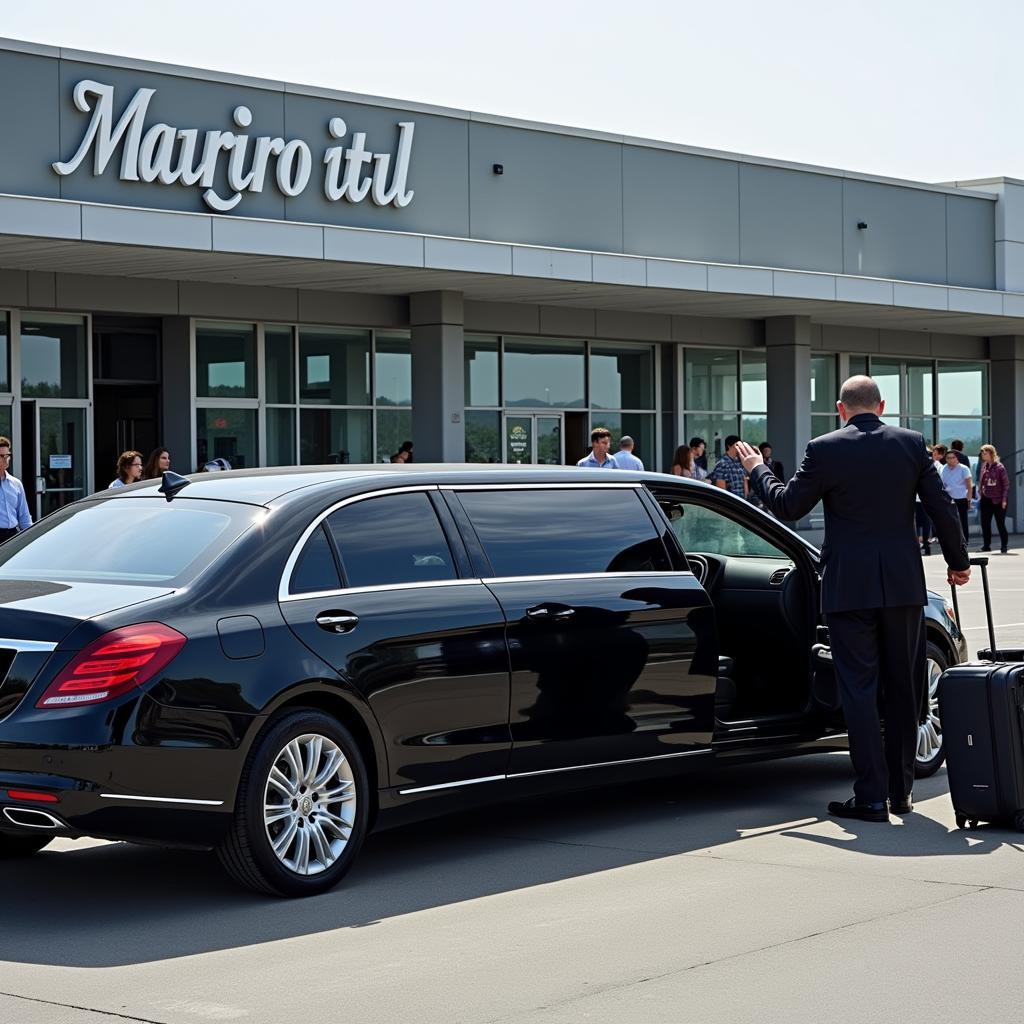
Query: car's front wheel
21	846
930	751
302	808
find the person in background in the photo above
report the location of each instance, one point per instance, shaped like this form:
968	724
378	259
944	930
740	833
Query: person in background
407	448
14	514
728	472
624	457
994	492
682	462
400	457
600	442
129	469
921	520
765	448
956	478
698	459
157	464
958	450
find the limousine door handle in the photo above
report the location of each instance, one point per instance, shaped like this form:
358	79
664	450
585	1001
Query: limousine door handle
337	622
550	613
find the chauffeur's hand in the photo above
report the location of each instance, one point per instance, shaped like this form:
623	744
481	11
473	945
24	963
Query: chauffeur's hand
750	457
957	578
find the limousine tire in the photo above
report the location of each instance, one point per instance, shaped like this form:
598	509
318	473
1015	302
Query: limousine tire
302	808
931	751
21	846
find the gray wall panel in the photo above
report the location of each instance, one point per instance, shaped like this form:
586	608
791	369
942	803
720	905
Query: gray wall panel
905	235
13	288
352	310
790	219
438	168
567	322
904	343
28	124
242	302
498	317
556	190
970	229
840	338
680	206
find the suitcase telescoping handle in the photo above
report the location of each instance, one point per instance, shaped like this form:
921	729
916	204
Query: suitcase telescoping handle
983	564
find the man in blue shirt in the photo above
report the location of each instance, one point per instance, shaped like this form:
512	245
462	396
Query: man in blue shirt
14	513
728	472
624	457
600	442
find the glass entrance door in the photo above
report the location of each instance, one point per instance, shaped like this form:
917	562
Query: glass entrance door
534	439
60	447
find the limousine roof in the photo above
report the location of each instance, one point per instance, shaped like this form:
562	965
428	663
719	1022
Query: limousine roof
266	485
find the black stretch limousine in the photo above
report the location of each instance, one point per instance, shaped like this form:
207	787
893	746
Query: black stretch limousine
271	662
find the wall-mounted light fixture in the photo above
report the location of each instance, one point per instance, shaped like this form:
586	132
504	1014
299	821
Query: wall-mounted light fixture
499	168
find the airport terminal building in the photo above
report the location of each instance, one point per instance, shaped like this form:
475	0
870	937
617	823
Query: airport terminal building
280	274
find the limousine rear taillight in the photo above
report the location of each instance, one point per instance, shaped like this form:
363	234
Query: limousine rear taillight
115	663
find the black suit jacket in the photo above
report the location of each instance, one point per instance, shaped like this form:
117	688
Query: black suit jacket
867	474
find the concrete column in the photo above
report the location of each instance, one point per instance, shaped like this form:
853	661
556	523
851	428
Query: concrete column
1007	398
438	395
176	394
788	343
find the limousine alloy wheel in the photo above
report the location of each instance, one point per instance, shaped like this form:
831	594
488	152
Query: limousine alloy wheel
930	751
301	813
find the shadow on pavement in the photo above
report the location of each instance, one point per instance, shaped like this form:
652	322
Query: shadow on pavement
119	904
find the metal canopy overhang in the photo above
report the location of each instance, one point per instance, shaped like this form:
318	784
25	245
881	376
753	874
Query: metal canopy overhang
26	252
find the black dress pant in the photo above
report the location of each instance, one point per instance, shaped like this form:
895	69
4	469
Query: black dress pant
986	509
962	504
878	655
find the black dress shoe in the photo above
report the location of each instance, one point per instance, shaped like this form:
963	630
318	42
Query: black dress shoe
862	812
904	806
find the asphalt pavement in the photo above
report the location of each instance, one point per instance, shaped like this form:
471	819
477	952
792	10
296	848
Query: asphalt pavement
725	895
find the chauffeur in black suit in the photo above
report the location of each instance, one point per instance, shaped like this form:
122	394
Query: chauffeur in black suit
872	589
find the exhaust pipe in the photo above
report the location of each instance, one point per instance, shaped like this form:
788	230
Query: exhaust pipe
29	817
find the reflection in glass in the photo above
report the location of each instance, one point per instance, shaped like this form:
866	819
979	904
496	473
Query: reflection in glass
5	422
480	356
824	388
5	356
226	434
225	360
754	386
711	379
482	430
714	429
924	425
887	377
394	370
754	429
549	440
53	357
638	425
334	367
920	389
334	436
621	378
970	431
963	389
394	426
858	367
280	437
539	374
280	366
61	433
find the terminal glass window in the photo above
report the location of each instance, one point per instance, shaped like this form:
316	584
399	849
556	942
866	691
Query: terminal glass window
483	436
725	392
5	421
54	360
5	354
335	436
621	378
393	392
225	360
824	392
480	356
334	366
544	374
227	433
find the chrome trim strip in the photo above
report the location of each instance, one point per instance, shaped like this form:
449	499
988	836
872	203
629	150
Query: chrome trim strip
552	771
286	576
162	799
453	785
585	576
319	594
40	646
554	486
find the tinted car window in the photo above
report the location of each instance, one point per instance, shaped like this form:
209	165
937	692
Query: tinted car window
544	532
704	531
316	569
392	539
125	540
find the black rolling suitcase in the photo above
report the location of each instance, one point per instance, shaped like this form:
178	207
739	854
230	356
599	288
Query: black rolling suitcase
981	705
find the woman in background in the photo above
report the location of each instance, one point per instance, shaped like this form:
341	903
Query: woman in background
994	491
682	462
157	464
129	469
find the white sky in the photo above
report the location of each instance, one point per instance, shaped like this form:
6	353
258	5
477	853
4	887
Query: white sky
930	91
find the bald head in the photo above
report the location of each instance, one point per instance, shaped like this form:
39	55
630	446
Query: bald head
858	395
